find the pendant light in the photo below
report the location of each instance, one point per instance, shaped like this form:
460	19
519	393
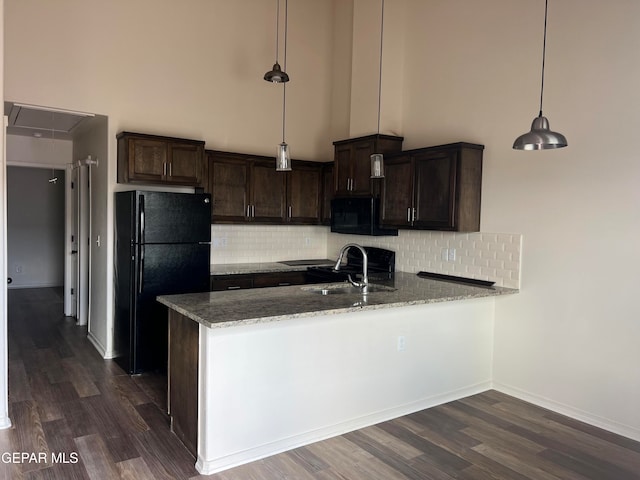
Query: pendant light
276	74
377	159
283	157
541	137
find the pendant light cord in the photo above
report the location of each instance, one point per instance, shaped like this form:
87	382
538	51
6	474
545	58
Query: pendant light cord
284	65
380	66
544	52
277	27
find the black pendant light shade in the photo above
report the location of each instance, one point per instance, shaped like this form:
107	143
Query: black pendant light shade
540	137
276	75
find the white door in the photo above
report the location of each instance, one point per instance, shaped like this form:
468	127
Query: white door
71	243
77	244
84	244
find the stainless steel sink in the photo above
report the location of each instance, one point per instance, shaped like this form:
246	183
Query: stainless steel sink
344	288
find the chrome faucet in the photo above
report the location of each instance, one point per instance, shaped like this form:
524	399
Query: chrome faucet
364	284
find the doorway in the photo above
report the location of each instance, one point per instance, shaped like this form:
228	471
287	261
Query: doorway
35	227
42	139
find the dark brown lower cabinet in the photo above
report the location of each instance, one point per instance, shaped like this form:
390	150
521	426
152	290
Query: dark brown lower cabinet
257	280
183	379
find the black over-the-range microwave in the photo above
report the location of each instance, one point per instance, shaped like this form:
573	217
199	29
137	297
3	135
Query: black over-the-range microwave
357	216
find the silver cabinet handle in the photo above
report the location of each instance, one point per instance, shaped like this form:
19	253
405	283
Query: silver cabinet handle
233	287
164	168
408	214
170	169
413	216
290	211
248	210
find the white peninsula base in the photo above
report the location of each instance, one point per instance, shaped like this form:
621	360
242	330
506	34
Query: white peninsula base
270	387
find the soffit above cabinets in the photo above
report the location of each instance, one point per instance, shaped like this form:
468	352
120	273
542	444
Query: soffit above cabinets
42	122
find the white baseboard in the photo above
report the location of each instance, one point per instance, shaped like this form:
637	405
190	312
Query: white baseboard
97	345
208	467
569	411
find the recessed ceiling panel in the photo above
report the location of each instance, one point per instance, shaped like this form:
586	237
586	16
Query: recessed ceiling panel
42	121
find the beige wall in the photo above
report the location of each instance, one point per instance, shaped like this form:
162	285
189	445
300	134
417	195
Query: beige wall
26	151
469	71
185	69
569	340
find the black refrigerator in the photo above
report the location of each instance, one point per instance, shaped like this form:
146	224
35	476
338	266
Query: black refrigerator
162	246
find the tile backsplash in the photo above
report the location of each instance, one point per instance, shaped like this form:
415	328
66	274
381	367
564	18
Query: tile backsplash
486	256
266	243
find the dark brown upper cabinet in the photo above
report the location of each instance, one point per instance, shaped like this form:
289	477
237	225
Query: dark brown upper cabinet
327	192
228	186
352	163
247	188
435	188
267	190
304	193
151	159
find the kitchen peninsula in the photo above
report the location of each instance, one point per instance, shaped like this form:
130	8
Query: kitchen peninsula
257	372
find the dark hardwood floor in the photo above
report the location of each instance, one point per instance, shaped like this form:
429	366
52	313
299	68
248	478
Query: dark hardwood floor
77	416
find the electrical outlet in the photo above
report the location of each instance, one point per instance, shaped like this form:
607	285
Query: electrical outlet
402	343
452	255
307	241
18	268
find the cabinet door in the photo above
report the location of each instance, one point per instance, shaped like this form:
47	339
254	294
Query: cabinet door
361	167
397	192
230	282
185	164
279	279
435	179
327	192
228	176
304	193
267	192
342	170
147	160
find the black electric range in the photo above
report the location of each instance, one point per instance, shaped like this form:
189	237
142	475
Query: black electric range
381	266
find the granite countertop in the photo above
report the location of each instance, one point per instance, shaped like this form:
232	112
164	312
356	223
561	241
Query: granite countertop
231	308
265	267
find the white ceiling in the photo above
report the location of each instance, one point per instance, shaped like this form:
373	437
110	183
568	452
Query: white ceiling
42	122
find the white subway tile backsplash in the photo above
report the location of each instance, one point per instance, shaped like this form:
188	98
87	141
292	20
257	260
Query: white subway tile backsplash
486	256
